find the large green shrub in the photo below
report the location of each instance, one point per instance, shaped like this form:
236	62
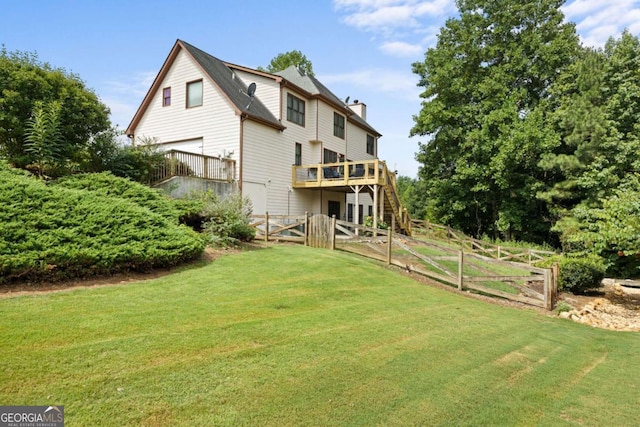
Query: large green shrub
227	220
578	273
109	185
50	232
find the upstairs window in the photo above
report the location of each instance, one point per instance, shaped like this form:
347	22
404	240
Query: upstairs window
295	109
298	158
166	96
338	125
194	94
371	145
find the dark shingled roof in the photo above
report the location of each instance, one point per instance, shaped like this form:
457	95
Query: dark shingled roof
232	86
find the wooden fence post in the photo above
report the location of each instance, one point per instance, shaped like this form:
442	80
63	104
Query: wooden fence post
266	226
306	228
554	283
499	255
460	269
333	232
548	303
390	239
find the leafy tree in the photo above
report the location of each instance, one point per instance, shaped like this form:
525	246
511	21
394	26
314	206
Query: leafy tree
482	83
411	196
106	152
611	230
24	81
285	60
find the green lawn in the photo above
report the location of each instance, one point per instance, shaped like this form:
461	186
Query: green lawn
297	336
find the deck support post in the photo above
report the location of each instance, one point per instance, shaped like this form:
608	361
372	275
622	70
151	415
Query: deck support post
266	226
381	200
356	209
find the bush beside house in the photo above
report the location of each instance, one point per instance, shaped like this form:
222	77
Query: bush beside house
86	225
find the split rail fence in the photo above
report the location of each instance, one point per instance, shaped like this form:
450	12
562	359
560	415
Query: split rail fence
459	263
501	252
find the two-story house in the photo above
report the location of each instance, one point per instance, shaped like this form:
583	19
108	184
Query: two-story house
296	147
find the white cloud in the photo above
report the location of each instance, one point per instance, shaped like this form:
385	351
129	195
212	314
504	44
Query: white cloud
581	7
596	20
384	15
402	49
387	18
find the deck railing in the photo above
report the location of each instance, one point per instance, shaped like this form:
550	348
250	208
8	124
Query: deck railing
182	163
361	172
340	173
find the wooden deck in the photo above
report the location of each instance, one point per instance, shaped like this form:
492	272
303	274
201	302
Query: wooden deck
351	177
345	174
182	163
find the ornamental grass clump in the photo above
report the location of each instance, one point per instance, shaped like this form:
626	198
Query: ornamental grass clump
227	220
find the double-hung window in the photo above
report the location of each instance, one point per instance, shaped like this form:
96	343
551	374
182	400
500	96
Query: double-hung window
371	145
166	96
295	109
338	125
194	94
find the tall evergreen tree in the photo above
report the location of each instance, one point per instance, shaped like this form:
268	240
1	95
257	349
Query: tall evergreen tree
596	114
482	82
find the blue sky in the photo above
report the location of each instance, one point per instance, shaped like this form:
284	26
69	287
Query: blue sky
359	48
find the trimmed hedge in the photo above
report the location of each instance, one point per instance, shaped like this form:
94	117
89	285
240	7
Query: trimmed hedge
578	274
108	184
51	232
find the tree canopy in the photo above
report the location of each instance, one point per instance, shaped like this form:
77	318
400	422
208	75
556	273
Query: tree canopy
287	59
483	82
531	136
36	97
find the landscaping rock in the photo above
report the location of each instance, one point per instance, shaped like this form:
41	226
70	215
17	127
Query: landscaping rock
618	309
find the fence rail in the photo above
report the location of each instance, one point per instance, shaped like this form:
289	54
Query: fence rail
182	163
492	250
459	267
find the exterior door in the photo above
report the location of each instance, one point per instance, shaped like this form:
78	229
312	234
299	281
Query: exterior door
333	209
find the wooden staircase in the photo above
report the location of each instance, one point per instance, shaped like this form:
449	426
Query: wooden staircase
393	204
